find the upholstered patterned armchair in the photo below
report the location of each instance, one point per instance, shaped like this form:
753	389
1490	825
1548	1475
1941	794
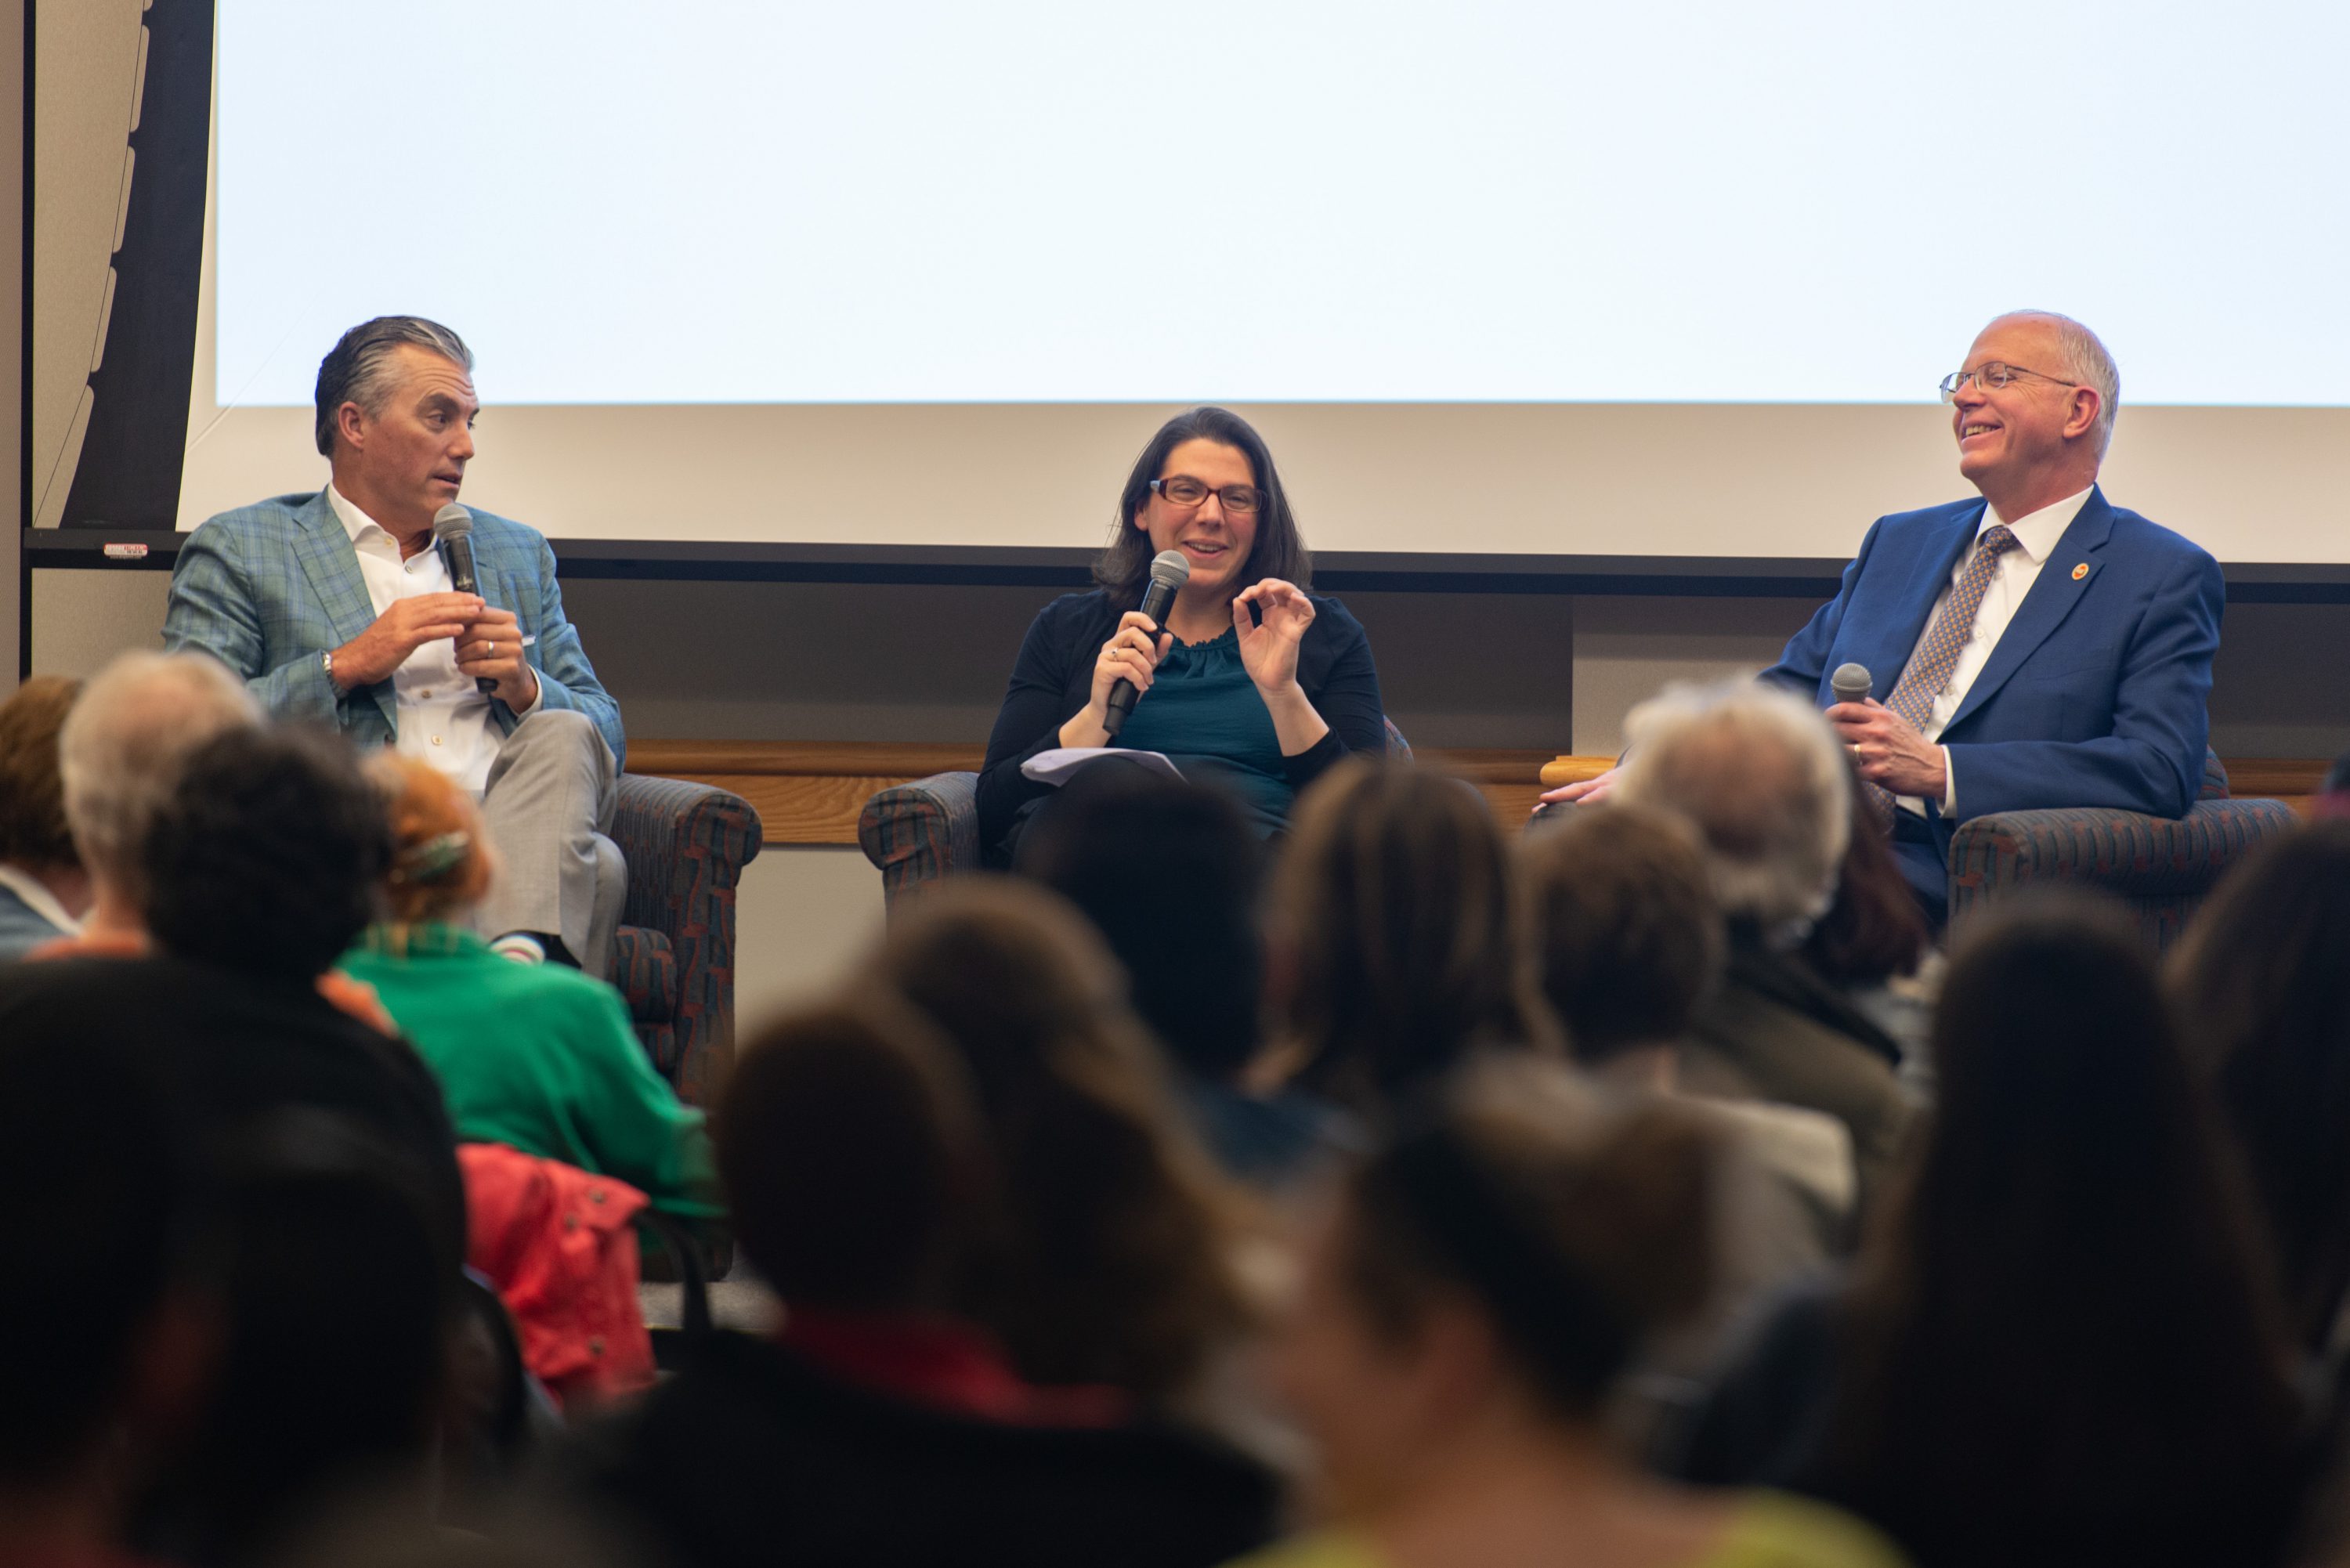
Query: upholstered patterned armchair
2162	868
674	957
917	832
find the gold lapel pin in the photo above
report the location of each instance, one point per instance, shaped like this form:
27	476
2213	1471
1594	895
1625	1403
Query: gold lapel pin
2080	571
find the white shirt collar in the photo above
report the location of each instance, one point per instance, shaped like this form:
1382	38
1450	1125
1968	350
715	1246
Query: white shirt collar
38	899
355	521
2036	532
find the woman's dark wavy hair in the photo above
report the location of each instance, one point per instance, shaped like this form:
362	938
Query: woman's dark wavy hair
2063	1329
271	858
2262	985
1280	551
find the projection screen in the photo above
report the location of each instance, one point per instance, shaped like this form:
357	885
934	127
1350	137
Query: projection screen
1502	276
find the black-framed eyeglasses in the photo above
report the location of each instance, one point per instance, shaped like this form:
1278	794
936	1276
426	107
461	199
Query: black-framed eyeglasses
1182	490
1993	375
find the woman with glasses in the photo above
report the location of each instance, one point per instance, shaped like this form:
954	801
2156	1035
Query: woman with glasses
1251	682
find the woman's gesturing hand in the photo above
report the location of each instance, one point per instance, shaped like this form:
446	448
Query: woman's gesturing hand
1269	647
1132	653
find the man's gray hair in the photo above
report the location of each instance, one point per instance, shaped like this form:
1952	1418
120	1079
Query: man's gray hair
2081	357
1762	776
123	745
358	369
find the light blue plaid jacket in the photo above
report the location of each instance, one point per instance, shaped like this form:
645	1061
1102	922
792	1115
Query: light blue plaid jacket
267	588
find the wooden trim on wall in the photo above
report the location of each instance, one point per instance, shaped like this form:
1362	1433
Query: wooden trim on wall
810	792
2292	780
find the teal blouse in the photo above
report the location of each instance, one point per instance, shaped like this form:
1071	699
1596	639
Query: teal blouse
1205	714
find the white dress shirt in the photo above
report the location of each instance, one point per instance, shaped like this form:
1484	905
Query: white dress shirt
445	718
2036	534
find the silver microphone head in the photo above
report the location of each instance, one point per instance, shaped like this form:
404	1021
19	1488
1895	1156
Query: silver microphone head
1171	568
1851	682
452	521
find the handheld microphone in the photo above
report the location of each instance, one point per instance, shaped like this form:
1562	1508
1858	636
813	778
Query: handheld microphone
1850	684
452	530
1168	572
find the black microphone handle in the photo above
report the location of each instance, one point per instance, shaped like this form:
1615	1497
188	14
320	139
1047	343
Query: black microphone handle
1156	600
457	550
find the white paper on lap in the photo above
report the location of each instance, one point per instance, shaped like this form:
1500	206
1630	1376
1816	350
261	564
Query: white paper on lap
1055	767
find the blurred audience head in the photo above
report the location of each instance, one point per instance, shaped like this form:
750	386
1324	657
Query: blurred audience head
441	861
1627	938
1114	1262
1401	910
1759	773
1167	872
34	835
340	1292
270	858
1501	1259
120	753
2333	798
2263	981
1874	930
106	1317
2063	1314
855	1164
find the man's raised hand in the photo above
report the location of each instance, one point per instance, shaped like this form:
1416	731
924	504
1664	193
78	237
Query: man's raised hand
400	631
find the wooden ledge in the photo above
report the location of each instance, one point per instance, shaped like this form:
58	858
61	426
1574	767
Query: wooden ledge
2292	780
810	792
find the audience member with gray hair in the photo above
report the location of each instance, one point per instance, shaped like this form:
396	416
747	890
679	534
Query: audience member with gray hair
121	755
1757	771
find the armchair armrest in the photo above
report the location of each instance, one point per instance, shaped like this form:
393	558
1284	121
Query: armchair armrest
686	845
919	831
2120	852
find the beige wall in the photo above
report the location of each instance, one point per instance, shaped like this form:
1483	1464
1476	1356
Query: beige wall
12	330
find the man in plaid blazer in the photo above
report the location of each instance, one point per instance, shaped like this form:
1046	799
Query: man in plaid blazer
335	607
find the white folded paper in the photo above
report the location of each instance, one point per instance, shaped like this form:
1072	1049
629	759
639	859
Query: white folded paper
1054	767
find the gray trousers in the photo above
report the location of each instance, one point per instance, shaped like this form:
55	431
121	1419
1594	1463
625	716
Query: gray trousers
548	806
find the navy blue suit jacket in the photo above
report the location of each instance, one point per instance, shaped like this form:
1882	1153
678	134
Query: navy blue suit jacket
2096	694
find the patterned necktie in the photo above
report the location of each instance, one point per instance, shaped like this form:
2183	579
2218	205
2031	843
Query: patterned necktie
1929	671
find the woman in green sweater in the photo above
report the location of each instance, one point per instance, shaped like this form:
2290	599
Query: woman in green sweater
536	1056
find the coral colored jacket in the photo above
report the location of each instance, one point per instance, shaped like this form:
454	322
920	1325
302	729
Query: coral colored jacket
560	1246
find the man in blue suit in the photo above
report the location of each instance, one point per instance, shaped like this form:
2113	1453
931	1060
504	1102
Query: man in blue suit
335	605
2037	647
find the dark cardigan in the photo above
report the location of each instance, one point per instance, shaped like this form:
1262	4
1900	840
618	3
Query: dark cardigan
1053	678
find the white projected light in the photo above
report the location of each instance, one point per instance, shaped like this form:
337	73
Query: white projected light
1070	200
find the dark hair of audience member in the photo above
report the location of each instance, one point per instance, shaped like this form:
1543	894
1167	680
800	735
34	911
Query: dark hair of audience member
1579	1221
1401	905
2263	981
853	1159
1279	550
270	858
1627	936
1874	930
1114	1264
441	860
1168	873
339	1282
33	831
103	1319
2332	801
2064	1343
